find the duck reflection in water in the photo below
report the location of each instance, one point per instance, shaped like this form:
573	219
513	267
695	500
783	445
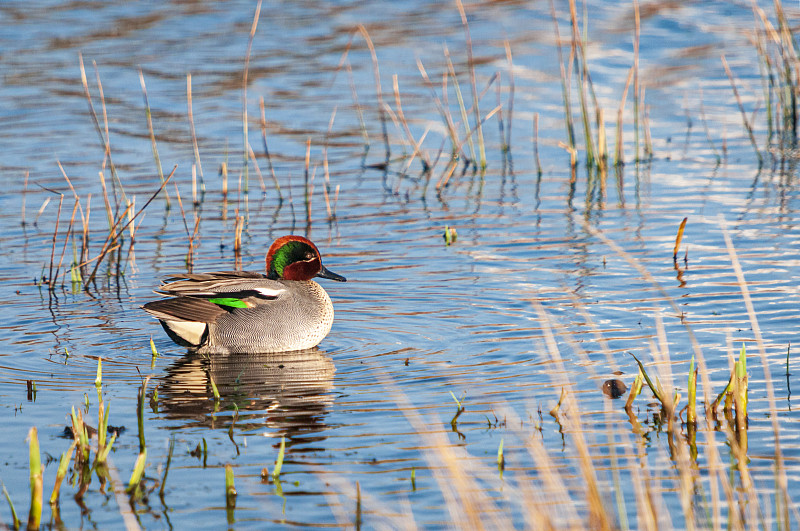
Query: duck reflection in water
288	392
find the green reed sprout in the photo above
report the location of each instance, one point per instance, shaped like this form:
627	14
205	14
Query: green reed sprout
63	464
35	512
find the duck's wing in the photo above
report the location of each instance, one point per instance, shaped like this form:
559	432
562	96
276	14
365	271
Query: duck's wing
200	299
228	284
191	309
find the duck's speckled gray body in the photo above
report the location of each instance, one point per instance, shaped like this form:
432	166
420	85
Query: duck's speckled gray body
298	318
244	312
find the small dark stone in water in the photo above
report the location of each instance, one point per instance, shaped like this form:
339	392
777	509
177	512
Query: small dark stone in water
618	373
92	432
197	452
614	388
406	362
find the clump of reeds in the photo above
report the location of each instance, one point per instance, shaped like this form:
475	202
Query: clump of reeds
591	114
779	67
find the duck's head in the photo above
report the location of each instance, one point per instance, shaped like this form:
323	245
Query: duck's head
296	258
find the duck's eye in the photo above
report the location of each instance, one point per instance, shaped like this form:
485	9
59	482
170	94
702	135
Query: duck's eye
309	256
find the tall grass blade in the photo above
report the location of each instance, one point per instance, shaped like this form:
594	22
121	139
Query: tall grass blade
14	519
276	471
35	512
678	239
230	488
138	473
63	464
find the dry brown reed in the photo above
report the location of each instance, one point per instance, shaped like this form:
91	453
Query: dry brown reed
153	144
474	86
246	143
190	113
378	91
266	152
747	126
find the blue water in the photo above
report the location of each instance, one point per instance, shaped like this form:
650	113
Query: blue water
417	320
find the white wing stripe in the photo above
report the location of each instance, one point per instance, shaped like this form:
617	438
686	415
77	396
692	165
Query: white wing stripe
270	293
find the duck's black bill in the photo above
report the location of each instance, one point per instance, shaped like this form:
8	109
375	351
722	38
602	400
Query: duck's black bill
324	273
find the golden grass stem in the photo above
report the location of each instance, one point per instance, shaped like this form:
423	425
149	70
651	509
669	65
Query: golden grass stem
426	163
308	187
619	156
105	140
536	143
24	197
53	248
637	31
266	151
149	116
106	245
64	247
678	239
565	92
378	91
246	142
473	84
445	114
194	133
745	121
511	92
461	106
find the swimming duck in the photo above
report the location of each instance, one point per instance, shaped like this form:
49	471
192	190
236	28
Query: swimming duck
245	312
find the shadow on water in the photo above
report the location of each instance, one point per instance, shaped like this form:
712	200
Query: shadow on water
288	392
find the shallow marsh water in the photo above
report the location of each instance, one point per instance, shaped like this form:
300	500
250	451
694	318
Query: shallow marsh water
417	319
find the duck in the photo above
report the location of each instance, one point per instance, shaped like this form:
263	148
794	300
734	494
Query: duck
228	312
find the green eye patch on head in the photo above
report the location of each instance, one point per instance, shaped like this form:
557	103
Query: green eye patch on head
288	253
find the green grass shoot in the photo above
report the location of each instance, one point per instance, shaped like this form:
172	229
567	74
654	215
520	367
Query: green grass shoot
458	402
102	425
214	388
98	381
450	235
103	454
740	385
276	471
691	411
501	460
14	518
554	411
138	472
413	479
636	389
166	467
35	512
80	435
230	488
656	389
63	464
140	414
